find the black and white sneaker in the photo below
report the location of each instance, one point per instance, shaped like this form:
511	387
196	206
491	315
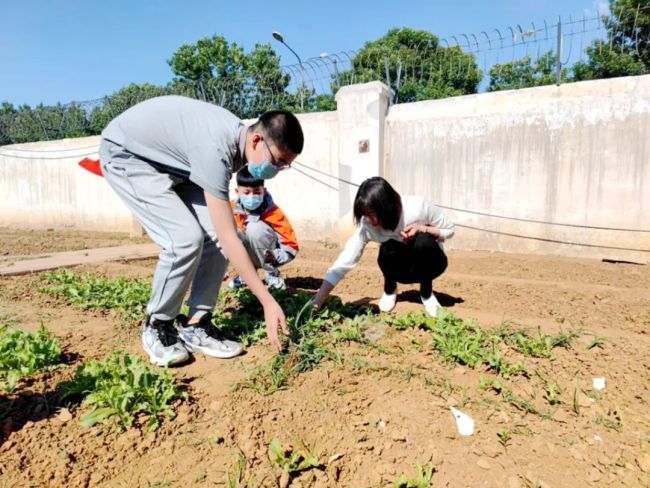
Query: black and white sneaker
161	342
204	337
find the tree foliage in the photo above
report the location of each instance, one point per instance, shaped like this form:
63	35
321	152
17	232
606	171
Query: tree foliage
415	66
523	73
626	50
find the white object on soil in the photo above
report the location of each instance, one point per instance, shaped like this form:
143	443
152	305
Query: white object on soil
464	422
599	383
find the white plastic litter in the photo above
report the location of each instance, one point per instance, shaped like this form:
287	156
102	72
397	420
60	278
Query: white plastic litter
598	438
599	383
464	422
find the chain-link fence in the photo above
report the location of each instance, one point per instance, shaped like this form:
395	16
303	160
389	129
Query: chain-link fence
416	66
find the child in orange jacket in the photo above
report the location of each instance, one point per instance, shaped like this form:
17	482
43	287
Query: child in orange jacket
264	228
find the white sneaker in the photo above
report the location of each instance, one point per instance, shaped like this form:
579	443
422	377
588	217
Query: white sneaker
274	280
203	337
431	305
387	302
161	342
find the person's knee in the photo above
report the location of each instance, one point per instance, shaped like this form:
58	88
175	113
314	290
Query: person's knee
389	251
440	265
259	232
189	242
424	242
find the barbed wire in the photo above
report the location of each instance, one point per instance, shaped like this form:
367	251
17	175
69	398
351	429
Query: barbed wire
415	66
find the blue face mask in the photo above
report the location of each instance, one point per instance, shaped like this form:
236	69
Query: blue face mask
263	170
251	202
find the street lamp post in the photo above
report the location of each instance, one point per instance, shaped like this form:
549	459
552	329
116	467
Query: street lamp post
278	37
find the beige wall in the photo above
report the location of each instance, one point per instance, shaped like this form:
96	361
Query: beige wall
42	186
576	154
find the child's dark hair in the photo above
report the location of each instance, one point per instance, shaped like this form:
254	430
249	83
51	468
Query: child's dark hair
244	178
376	196
283	128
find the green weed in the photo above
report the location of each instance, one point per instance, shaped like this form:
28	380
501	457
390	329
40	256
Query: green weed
614	420
597	342
93	292
576	400
505	436
121	388
292	461
23	354
423	477
539	347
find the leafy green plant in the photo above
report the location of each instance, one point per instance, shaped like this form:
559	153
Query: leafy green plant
519	402
505	436
312	340
410	320
423	477
597	342
539	347
493	384
291	461
95	292
614	419
121	388
23	354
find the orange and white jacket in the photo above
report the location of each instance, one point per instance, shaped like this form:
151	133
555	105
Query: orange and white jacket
272	215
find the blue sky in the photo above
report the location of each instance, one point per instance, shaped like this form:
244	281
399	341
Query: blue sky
66	50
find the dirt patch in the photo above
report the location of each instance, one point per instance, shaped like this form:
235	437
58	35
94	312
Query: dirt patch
18	243
371	416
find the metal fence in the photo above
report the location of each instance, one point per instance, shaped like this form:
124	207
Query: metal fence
535	54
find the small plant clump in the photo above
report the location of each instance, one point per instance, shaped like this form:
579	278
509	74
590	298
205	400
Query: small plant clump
423	477
94	292
291	461
121	388
462	341
23	354
313	339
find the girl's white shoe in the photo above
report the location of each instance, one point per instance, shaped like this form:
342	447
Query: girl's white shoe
431	305
387	302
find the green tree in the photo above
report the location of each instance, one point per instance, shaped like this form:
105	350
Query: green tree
523	73
415	66
222	73
626	51
7	112
118	102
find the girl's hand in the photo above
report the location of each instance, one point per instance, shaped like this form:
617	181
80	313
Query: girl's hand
410	231
322	294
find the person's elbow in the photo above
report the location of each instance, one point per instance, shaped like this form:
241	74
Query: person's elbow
447	233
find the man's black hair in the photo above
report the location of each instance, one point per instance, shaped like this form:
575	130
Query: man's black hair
282	128
376	196
244	178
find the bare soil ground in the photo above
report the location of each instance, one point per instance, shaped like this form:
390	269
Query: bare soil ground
371	417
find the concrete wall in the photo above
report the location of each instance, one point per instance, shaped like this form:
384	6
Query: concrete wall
577	154
42	186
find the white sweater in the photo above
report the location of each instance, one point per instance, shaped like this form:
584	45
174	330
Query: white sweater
415	210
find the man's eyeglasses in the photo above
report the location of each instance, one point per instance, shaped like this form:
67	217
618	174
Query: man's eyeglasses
281	165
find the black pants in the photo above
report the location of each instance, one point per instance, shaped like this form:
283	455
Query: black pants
419	260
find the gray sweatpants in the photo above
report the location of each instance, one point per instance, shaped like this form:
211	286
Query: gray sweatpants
259	238
174	213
